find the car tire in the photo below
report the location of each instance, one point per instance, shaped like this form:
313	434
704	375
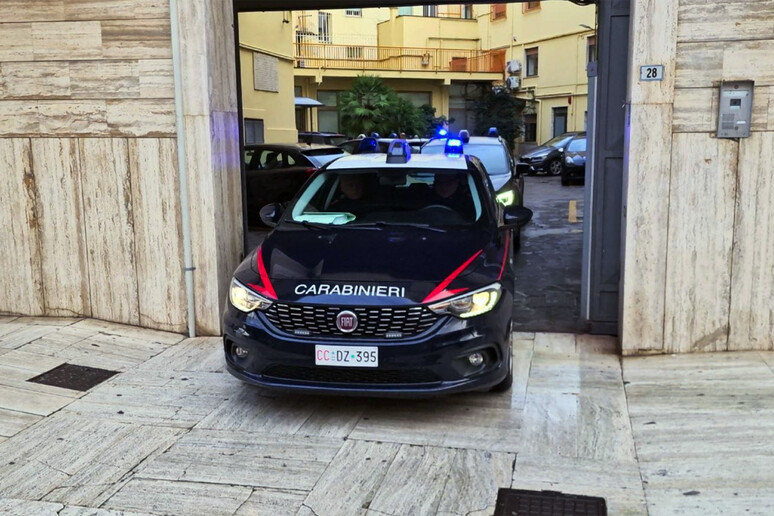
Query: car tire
516	240
507	382
554	167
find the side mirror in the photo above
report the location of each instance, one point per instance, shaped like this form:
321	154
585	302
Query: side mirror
271	213
516	216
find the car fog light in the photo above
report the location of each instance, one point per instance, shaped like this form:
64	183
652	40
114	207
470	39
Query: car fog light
240	352
476	359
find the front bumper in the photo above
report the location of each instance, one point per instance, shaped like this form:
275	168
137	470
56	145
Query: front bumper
536	164
432	363
575	171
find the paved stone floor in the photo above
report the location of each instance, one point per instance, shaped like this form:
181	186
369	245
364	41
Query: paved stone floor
174	434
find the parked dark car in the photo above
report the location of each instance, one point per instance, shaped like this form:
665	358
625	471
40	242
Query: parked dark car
276	172
574	161
547	158
321	138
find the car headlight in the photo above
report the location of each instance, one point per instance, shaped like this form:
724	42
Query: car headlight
569	160
245	300
471	304
506	198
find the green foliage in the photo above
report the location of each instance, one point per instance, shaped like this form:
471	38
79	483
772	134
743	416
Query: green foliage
370	105
432	123
500	109
364	106
403	116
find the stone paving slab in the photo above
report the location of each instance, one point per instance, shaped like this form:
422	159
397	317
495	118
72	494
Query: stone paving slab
173	433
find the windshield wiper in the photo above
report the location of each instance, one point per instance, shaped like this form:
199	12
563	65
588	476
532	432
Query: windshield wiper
383	224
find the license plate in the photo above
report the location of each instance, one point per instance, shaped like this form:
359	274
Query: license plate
346	356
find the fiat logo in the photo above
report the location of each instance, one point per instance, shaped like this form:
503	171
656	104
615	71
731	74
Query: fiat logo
346	321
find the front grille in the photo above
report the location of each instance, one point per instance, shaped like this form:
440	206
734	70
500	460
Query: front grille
370	376
376	321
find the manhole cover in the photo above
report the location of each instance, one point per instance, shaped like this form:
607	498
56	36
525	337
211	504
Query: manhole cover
75	377
520	502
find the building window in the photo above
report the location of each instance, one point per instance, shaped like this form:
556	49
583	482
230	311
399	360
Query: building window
498	11
417	98
253	131
405	11
532	61
324	27
531	6
430	11
354	12
265	76
592	49
467	11
328	119
530	128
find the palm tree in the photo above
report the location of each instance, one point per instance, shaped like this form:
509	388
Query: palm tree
364	107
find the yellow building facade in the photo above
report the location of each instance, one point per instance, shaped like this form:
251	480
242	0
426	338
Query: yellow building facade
554	41
267	59
443	56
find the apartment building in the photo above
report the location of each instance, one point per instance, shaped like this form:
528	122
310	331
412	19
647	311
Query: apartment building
430	55
267	60
553	41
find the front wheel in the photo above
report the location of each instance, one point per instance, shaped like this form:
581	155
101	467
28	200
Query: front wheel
555	168
507	382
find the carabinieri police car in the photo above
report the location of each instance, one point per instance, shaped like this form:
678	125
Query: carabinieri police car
387	275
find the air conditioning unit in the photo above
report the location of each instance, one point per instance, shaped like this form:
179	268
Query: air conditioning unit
513	83
513	67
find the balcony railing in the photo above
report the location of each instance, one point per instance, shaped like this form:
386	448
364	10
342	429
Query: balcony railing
358	57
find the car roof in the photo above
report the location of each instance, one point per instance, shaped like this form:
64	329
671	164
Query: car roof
290	146
429	161
474	140
316	133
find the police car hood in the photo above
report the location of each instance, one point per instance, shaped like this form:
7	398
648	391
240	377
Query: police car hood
370	264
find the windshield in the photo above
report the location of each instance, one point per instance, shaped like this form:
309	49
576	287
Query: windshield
390	196
494	157
578	145
558	141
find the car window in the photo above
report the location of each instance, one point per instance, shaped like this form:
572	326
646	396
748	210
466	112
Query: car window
494	157
320	157
558	141
271	159
335	140
252	159
390	196
577	145
289	160
349	146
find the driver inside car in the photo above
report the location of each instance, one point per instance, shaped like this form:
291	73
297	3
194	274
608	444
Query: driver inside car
450	192
352	189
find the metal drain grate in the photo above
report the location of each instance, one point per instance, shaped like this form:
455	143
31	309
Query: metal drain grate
75	377
520	502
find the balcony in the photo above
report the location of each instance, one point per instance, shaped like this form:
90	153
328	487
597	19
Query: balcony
401	59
